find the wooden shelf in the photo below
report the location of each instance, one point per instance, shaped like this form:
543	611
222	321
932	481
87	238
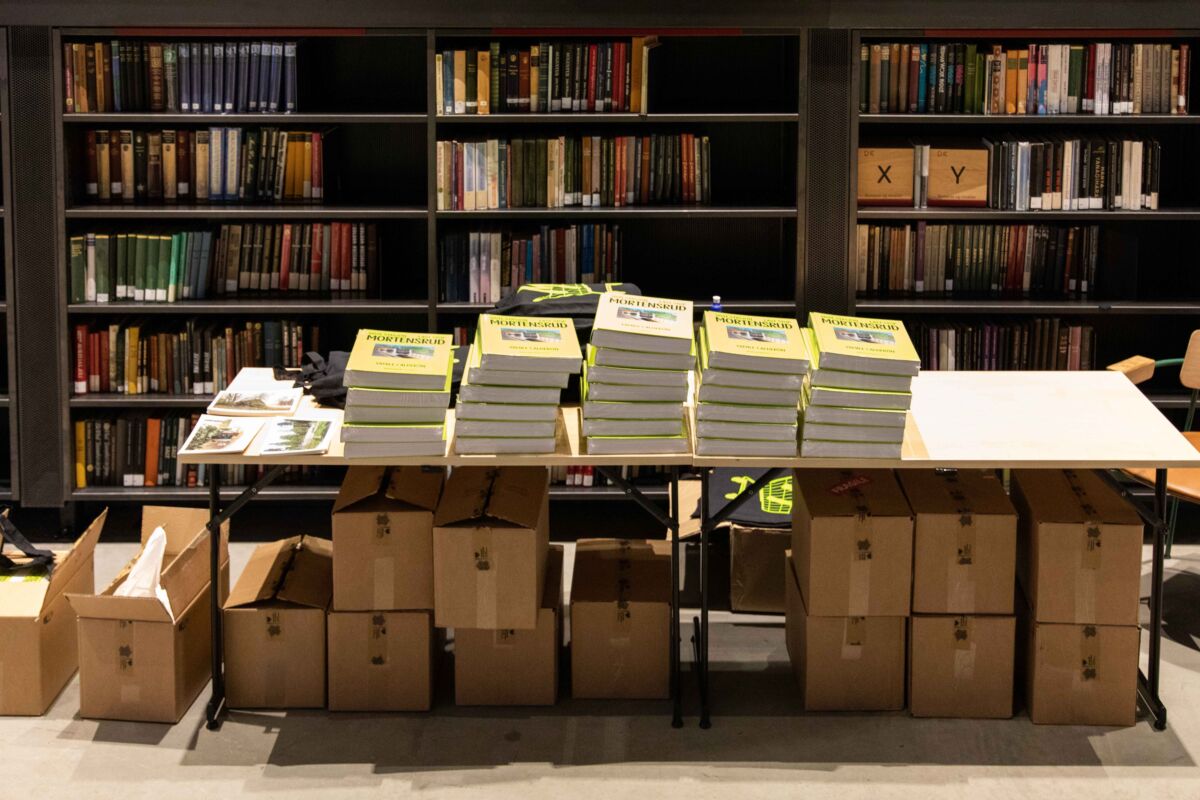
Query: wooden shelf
297	493
152	401
231	211
326	118
238	305
676	212
994	215
1029	119
1017	306
584	117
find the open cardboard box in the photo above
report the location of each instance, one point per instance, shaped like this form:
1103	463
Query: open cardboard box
136	661
38	645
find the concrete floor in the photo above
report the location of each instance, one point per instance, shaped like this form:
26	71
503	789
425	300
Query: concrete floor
760	745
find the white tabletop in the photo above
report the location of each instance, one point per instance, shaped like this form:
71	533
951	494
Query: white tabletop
1082	420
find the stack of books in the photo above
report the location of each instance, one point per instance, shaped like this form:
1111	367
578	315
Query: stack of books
752	372
397	393
859	393
515	373
637	376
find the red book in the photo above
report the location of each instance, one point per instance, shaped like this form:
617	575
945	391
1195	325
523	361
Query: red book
285	257
618	172
104	382
69	78
591	81
644	189
914	76
318	166
347	256
93	362
560	255
81	366
153	434
314	267
618	98
183	164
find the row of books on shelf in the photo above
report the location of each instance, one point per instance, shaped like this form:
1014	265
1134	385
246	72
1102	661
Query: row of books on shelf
588	476
1016	173
189	359
1077	78
574	171
331	259
1009	260
194	77
1032	344
545	77
135	451
484	266
244	165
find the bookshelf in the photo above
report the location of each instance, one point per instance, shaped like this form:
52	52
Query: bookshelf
1145	299
381	168
9	452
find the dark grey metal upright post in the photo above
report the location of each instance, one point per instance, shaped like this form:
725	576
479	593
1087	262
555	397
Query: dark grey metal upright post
37	298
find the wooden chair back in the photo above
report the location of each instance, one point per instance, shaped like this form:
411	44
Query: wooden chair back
1189	373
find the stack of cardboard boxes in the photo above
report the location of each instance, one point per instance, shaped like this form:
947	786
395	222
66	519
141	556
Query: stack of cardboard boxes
848	590
380	638
498	584
1080	568
962	632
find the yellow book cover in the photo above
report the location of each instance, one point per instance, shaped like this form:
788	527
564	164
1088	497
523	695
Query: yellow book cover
80	454
757	344
397	360
645	324
861	344
535	344
483	83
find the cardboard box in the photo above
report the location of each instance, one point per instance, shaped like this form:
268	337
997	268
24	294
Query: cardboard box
490	538
844	663
885	176
958	176
756	568
38	644
380	661
136	661
1079	548
620	619
1080	674
961	666
965	545
852	541
383	538
511	667
274	626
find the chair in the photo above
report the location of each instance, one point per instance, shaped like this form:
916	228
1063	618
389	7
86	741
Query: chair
1182	483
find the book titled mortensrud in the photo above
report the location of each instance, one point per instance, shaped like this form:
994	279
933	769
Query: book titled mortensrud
528	344
755	344
644	324
398	360
861	344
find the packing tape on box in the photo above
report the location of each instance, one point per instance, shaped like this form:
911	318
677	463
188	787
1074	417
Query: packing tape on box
127	653
274	670
621	632
960	578
854	638
1084	679
1091	558
487	599
858	601
383	576
505	638
377	656
964	650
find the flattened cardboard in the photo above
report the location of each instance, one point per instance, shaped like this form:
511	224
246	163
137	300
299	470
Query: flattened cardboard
135	663
383	538
490	538
852	540
961	666
620	619
274	626
1079	548
965	543
380	661
511	667
756	569
844	663
38	644
1080	674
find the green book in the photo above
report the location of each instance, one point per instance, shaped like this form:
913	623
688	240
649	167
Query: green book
163	273
150	276
103	269
982	81
121	279
970	76
173	268
516	198
494	77
1074	78
78	270
141	244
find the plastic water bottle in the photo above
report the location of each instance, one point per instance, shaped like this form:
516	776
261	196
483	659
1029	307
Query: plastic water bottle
716	302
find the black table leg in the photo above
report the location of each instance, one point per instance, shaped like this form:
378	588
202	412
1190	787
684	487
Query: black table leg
1148	683
217	518
671	522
